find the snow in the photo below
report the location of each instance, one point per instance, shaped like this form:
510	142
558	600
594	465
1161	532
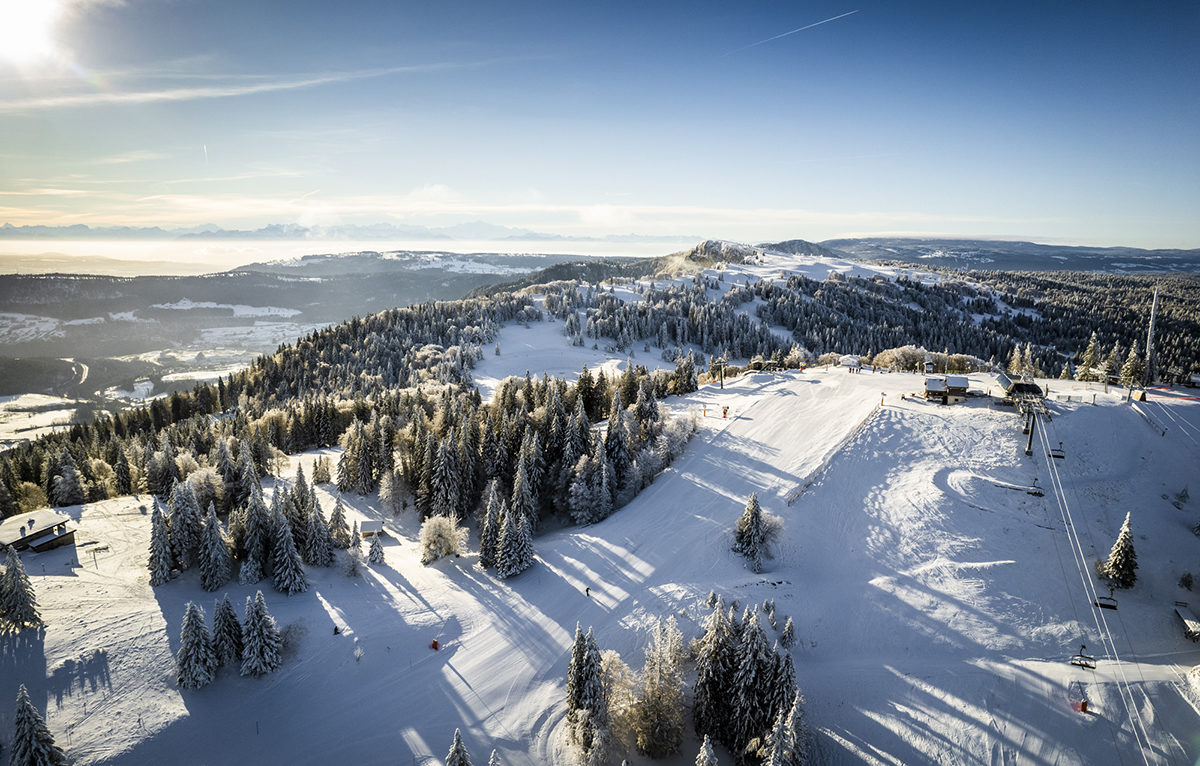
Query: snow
935	601
238	309
23	328
29	416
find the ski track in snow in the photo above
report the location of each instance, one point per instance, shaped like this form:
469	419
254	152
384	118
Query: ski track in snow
935	601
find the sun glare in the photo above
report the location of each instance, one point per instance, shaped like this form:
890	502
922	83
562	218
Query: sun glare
26	29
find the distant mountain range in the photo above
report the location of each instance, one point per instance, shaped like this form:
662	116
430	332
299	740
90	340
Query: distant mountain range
473	230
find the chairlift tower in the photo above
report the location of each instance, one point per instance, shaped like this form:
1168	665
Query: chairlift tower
1149	376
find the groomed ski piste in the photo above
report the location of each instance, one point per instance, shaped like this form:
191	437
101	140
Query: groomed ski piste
936	601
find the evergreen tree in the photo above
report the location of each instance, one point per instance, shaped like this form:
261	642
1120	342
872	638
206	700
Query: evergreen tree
658	711
261	641
67	486
1015	363
616	443
514	554
215	564
716	662
445	487
257	535
391	492
750	536
523	502
583	495
494	760
575	670
227	633
123	476
285	562
8	506
1134	368
186	525
787	639
337	526
706	757
750	706
1086	369
162	560
489	530
1112	364
458	755
18	606
320	543
196	661
32	744
1120	568
375	552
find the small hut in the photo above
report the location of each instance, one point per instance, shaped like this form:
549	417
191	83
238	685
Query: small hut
38	530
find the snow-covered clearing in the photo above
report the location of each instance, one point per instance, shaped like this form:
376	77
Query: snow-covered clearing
29	416
936	604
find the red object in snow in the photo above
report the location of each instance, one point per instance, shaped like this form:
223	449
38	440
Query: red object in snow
434	645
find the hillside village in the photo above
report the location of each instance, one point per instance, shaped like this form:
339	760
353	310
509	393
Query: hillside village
936	561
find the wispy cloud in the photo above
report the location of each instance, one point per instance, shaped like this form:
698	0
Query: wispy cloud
792	32
233	88
125	158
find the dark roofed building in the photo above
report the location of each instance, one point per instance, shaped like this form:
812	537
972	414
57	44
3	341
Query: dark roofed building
38	530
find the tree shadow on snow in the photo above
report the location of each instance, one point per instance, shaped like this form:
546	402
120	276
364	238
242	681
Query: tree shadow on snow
90	673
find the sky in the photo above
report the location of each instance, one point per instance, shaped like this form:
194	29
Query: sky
1065	122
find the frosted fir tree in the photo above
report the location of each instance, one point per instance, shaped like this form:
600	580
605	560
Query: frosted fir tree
256	537
658	710
787	744
338	527
494	760
354	561
489	529
755	532
445	484
32	744
1134	368
523	501
589	721
250	571
186	526
162	559
1120	568
441	536
321	472
320	543
226	633
750	704
67	487
1086	369
286	566
787	639
616	442
391	492
458	755
575	670
18	606
195	662
706	756
215	564
716	661
581	497
515	552
261	641
375	552
122	475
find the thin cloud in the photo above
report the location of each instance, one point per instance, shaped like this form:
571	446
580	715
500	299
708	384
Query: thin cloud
227	90
794	31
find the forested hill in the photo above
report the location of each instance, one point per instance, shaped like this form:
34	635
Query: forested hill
790	308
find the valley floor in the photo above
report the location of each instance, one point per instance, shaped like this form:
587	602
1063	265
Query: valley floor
936	602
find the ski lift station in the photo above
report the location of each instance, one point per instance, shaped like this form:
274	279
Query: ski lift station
38	531
949	389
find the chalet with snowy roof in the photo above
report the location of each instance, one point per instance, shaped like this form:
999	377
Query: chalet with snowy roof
370	528
935	388
849	360
38	530
956	385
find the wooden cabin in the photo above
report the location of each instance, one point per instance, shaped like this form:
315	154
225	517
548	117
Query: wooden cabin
370	528
38	530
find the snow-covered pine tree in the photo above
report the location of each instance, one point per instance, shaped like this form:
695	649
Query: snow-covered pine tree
256	538
185	524
658	710
523	502
320	543
494	760
1120	568
1086	369
590	731
706	756
215	565
67	486
375	552
616	442
1112	363
261	641
445	484
321	472
337	525
32	744
18	606
582	491
286	565
750	703
162	560
787	639
122	475
1134	368
716	661
226	633
195	661
751	534
391	492
458	755
489	529
575	672
514	553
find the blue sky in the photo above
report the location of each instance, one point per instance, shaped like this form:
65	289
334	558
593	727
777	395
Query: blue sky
1065	122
